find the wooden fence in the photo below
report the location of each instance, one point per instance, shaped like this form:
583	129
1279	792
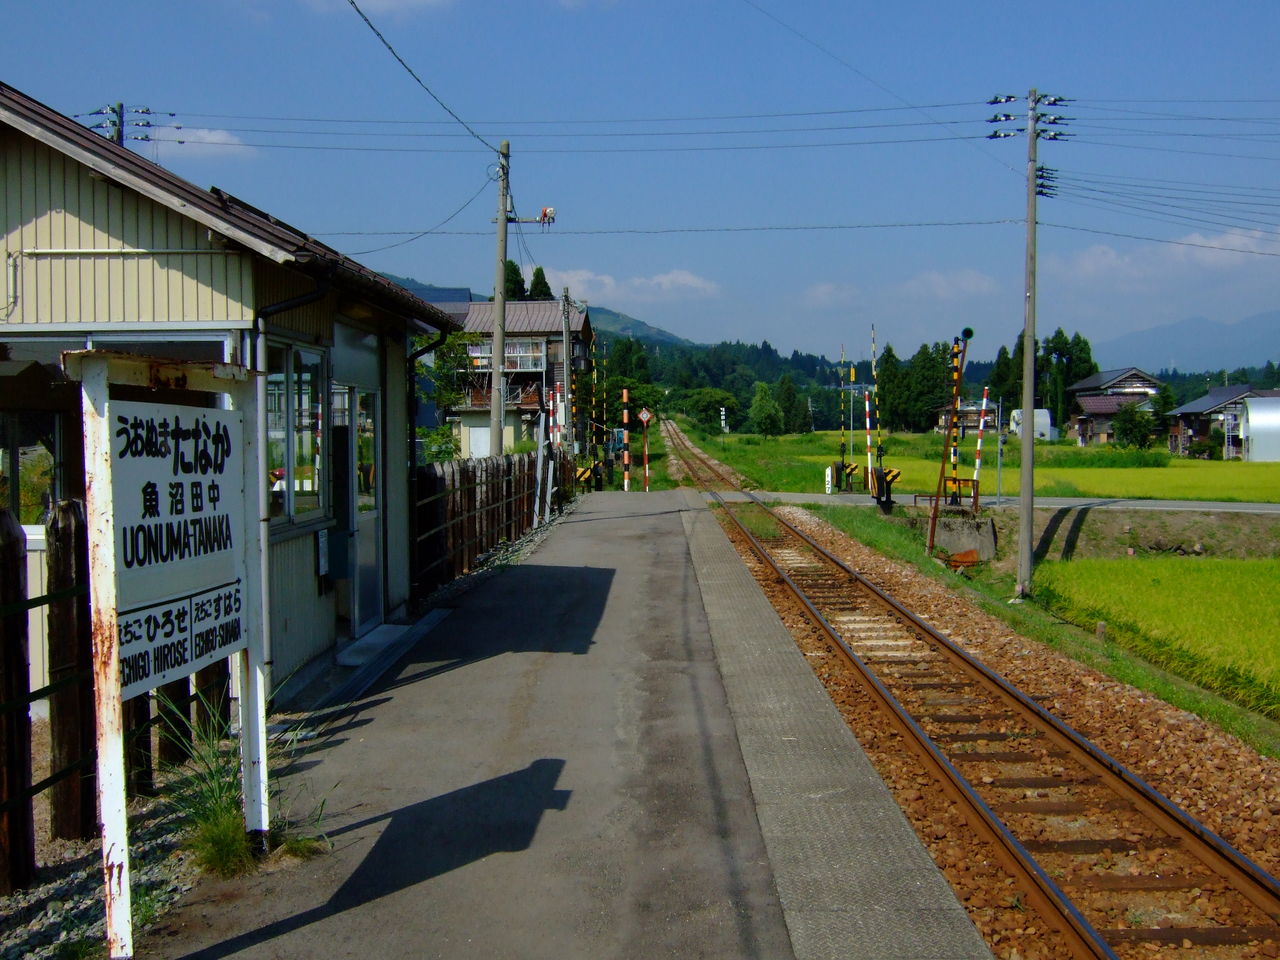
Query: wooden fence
70	783
463	509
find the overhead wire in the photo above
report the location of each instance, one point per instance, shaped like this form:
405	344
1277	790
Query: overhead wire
392	50
418	236
712	148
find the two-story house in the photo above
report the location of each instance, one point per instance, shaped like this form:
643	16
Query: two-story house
534	363
1102	394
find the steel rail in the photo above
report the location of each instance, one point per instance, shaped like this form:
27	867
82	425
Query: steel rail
1215	853
1075	932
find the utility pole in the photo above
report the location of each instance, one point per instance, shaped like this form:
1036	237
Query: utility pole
567	358
1039	184
497	402
1026	476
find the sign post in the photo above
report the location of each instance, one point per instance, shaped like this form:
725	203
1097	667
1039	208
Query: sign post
175	555
645	417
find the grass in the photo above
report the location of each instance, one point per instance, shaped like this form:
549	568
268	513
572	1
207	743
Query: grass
990	589
1172	611
205	793
796	463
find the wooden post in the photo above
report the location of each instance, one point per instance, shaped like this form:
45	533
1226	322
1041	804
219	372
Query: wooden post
17	826
141	780
73	800
213	700
173	705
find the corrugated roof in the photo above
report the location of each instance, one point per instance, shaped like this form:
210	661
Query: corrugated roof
1215	398
219	211
526	318
1105	378
1107	405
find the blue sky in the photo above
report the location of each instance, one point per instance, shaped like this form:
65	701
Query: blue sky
1176	115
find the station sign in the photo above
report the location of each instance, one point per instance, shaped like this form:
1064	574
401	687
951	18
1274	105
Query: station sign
177	493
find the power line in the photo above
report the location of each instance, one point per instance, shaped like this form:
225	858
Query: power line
622	133
392	50
677	230
400	243
1179	243
573	150
587	121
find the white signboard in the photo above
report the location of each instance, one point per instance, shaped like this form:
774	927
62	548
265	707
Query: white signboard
178	499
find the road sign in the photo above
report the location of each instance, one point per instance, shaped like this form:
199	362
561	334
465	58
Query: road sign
645	416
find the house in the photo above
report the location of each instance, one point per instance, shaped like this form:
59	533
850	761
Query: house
1221	408
1101	395
105	250
533	344
969	418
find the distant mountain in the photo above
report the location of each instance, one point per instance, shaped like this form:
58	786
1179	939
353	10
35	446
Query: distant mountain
1195	344
615	325
430	292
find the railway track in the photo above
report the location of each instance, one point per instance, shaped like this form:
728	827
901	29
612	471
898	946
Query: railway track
1114	868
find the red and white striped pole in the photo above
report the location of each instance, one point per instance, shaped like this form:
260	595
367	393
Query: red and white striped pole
977	456
626	440
866	402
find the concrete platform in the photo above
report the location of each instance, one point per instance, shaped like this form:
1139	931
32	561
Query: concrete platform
610	750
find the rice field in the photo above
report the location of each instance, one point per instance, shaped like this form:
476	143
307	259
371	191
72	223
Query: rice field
1213	621
797	464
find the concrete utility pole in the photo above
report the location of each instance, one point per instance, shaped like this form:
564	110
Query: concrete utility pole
567	358
497	402
1026	476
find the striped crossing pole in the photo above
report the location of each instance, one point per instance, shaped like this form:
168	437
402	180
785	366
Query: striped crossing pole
866	403
977	456
953	431
626	440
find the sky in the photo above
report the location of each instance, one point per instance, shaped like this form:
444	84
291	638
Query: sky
747	170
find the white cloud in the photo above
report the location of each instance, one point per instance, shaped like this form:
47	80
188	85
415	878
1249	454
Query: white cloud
826	295
608	290
191	143
949	285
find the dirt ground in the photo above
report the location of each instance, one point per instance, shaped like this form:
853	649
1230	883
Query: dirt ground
1078	532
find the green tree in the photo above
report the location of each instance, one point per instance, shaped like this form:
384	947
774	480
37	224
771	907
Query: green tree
513	282
704	405
928	386
539	289
765	416
891	390
1133	427
1161	404
795	412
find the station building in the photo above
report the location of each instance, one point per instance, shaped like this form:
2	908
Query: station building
104	250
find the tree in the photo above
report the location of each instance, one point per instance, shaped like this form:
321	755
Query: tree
795	412
704	405
927	382
539	289
765	415
514	282
1132	426
1161	404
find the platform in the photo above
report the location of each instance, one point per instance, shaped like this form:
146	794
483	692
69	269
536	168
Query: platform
611	749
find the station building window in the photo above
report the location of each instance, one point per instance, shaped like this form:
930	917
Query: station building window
297	417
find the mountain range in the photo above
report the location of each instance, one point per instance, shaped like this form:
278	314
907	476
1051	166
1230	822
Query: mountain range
1195	344
1192	345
